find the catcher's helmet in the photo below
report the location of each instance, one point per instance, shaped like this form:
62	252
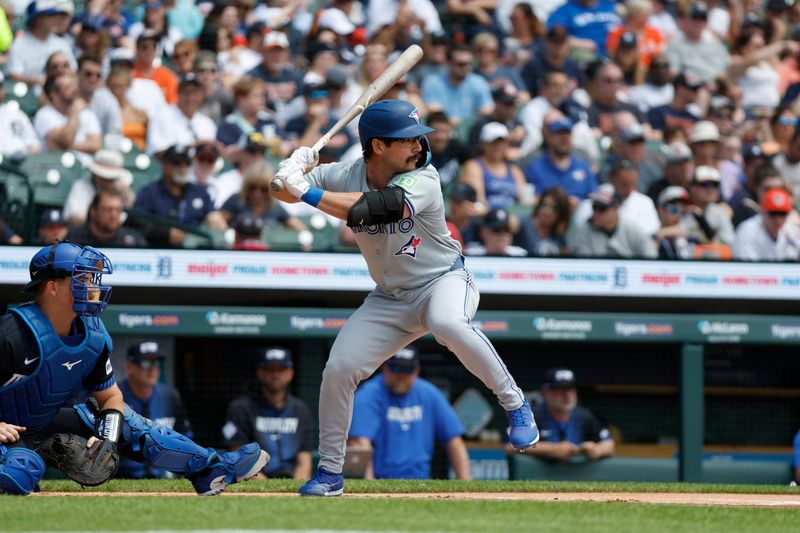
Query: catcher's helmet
85	267
393	119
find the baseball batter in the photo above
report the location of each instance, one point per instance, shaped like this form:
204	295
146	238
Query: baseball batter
392	200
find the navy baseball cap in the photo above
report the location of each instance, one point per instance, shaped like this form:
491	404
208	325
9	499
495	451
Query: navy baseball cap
558	378
464	192
179	154
248	225
497	220
408	357
51	216
275	355
559	125
627	40
148	349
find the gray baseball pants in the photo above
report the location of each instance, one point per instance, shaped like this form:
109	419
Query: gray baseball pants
389	321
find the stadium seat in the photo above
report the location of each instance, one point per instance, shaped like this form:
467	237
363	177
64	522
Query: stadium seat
51	175
26	96
16	202
144	168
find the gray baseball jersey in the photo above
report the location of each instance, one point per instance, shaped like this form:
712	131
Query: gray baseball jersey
405	254
421	288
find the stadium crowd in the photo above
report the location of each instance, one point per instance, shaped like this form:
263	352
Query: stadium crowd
640	128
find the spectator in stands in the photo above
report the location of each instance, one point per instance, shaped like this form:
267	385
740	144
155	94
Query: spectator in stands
182	123
608	81
106	173
553	92
255	199
768	236
250	116
707	220
134	120
147	67
754	67
496	236
156	401
143	93
52	227
682	110
464	214
628	58
239	60
554	56
787	163
678	169
103	227
695	51
29	51
783	124
101	102
16	130
403	446
558	167
629	145
567	430
249	150
608	232
486	47
544	234
657	89
523	30
706	145
67	123
498	182
587	22
204	166
282	81
156	21
183	56
384	12
321	56
248	230
759	176
269	414
648	39
217	101
8	235
458	91
447	152
505	97
672	236
174	198
57	64
306	129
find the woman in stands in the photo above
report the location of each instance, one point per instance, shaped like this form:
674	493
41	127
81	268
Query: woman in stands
134	120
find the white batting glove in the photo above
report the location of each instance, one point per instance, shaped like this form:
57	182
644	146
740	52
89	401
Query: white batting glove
291	175
306	158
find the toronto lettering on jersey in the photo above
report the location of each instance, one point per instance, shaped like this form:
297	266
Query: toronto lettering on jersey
270	424
404	226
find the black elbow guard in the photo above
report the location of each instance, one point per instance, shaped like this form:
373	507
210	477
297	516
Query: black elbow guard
377	207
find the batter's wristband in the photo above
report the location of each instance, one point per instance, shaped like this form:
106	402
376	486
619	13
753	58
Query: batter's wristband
313	196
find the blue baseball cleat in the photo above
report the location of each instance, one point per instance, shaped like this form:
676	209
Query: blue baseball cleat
522	432
230	468
323	483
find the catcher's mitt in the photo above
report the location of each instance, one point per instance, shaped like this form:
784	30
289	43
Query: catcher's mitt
88	466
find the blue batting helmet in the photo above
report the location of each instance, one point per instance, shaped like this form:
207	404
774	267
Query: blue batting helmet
85	267
392	119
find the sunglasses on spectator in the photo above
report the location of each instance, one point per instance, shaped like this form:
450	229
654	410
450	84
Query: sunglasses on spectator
402	369
777	214
258	188
206	70
207	160
600	208
783	120
707	184
674	209
146	364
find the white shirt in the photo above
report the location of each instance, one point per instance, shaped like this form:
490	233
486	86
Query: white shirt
16	131
79	198
222	187
759	86
49	118
238	60
383	12
541	8
28	55
637	207
753	243
789	171
647	96
173	127
532	117
146	95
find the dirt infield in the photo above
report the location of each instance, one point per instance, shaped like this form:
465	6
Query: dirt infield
738	500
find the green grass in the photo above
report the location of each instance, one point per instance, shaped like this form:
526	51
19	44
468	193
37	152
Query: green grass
357	486
90	513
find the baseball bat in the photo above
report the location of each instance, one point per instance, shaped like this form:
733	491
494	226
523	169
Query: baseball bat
376	89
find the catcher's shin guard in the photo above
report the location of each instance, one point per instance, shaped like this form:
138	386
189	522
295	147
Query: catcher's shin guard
159	445
20	470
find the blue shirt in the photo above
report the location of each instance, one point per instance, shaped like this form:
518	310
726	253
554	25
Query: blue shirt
461	101
796	460
592	22
403	429
190	208
578	179
665	116
582	426
165	408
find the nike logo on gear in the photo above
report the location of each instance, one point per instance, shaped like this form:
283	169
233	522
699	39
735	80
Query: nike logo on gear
69	365
29	361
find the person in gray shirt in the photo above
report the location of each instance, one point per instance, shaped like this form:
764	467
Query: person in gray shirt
607	234
696	51
101	101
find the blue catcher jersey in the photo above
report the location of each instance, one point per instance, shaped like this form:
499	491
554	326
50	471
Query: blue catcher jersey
164	407
403	429
42	371
283	433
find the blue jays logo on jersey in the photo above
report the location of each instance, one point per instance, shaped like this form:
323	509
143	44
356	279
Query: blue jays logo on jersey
410	247
414	115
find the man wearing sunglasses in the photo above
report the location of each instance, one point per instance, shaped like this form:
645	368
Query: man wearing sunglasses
401	416
706	220
769	236
159	402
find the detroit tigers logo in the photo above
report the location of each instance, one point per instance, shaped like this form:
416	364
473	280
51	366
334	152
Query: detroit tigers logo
410	247
414	115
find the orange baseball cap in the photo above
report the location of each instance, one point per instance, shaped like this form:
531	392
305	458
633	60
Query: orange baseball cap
776	200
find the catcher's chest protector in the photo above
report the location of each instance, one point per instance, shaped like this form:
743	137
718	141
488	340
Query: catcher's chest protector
34	400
